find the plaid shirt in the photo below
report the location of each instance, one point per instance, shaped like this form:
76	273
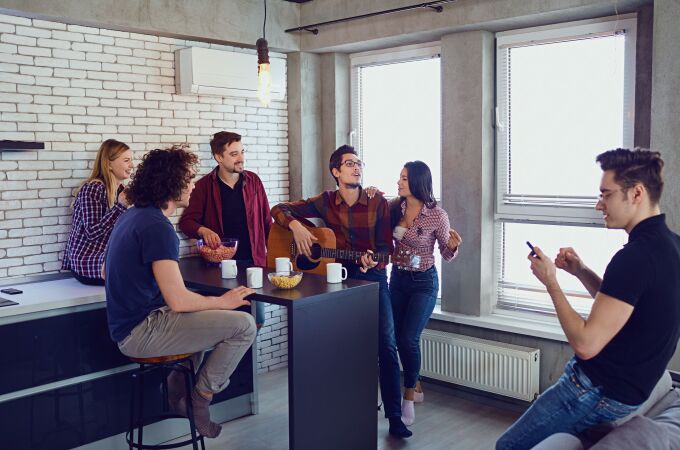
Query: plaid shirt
91	227
363	226
430	225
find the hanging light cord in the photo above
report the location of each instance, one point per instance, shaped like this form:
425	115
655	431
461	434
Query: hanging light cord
264	35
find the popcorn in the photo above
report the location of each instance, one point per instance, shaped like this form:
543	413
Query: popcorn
218	254
285	281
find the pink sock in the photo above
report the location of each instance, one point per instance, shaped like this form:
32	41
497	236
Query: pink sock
408	412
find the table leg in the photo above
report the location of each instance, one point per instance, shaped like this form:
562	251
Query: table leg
333	371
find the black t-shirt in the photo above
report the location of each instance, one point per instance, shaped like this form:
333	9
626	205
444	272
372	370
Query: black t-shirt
234	222
646	274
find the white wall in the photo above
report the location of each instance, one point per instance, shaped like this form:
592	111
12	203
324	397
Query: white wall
72	87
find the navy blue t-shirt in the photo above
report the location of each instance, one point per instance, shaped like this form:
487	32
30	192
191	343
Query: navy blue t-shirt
645	273
140	237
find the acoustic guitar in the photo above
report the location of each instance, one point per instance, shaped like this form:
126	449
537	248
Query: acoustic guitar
281	243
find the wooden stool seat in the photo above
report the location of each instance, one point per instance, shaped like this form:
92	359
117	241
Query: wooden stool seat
160	359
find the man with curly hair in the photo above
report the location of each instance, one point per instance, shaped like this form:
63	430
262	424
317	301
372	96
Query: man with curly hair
150	311
623	347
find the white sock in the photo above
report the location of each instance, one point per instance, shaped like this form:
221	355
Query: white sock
408	412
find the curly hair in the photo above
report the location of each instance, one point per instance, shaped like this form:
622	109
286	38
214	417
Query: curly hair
161	177
635	166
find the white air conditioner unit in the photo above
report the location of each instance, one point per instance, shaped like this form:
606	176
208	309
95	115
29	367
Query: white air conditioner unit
205	71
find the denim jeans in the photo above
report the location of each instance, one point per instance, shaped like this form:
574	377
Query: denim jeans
259	306
388	361
571	405
414	295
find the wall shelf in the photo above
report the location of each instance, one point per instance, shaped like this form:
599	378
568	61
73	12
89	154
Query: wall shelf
14	146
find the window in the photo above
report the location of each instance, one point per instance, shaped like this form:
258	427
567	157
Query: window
564	94
396	115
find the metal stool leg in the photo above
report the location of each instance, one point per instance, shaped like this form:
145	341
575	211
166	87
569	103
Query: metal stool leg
192	374
137	419
140	421
189	405
164	387
131	431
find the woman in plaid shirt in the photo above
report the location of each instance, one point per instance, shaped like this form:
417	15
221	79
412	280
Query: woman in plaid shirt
417	222
99	202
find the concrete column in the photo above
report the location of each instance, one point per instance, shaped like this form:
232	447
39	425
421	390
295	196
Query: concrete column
665	134
467	74
643	76
336	102
304	124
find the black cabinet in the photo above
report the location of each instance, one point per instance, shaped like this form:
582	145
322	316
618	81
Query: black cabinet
38	355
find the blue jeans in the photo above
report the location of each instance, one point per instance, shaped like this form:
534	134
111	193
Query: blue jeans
259	306
571	405
414	295
388	361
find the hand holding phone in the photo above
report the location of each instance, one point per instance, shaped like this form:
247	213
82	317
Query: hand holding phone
533	253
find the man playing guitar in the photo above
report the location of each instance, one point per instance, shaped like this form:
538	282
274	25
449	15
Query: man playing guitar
359	224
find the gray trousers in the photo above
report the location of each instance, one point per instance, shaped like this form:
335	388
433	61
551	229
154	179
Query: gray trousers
165	332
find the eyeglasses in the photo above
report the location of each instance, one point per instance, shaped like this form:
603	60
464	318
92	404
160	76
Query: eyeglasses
351	163
604	196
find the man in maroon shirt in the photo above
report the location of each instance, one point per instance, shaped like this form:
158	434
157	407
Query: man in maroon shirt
230	202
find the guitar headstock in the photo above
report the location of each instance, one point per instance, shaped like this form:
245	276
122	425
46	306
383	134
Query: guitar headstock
406	258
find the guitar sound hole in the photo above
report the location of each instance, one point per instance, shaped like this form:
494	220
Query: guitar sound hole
305	263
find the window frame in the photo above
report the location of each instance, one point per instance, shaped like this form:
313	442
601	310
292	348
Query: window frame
582	211
376	58
393	55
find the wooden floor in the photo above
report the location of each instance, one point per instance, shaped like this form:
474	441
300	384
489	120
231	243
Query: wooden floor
448	419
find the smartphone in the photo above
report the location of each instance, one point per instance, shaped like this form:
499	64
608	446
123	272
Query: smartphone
11	291
533	253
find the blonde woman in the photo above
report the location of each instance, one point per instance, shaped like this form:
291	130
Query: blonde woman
99	203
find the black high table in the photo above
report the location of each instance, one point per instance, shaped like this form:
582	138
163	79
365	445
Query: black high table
332	354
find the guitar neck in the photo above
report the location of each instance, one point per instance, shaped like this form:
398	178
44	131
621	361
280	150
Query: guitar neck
352	255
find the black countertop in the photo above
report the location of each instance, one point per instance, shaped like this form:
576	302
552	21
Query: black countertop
208	279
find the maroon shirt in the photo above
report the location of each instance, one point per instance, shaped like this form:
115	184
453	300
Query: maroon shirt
205	210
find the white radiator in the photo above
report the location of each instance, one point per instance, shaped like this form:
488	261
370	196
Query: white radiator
496	367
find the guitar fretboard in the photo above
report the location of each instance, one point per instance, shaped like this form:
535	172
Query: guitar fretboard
352	255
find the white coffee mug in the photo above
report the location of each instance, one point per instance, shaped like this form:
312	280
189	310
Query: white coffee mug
254	277
283	264
229	269
335	273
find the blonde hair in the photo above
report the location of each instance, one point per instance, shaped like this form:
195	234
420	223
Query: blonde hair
101	172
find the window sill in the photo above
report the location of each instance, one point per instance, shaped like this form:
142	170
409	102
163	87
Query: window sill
519	323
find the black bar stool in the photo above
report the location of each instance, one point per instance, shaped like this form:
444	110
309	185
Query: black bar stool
164	364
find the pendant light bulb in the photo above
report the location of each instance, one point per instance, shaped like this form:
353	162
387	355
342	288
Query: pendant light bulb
264	76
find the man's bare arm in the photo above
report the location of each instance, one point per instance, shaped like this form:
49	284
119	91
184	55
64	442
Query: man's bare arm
586	336
181	299
589	336
569	261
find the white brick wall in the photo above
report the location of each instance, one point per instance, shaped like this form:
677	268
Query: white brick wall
72	87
